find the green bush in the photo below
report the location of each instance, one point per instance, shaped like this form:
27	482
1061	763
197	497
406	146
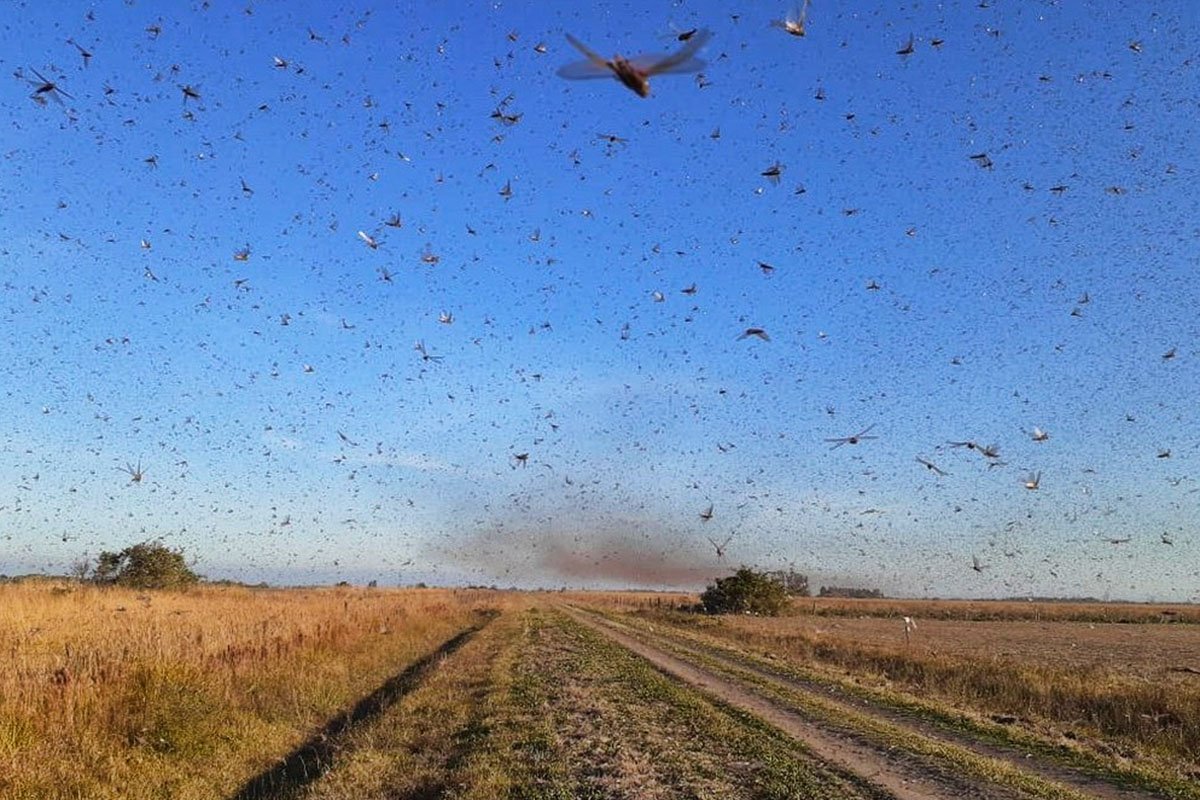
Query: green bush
745	592
148	565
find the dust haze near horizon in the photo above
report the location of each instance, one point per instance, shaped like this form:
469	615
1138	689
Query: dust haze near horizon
374	293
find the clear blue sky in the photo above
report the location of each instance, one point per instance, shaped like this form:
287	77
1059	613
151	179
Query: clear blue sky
914	290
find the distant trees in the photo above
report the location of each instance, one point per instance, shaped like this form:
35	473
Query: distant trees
849	591
147	565
745	592
80	568
794	583
240	584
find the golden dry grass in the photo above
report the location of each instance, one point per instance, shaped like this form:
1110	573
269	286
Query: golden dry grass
627	600
424	745
119	693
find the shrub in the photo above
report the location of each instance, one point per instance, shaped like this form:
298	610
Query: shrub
148	565
745	592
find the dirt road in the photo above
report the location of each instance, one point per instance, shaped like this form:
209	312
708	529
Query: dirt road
555	701
904	756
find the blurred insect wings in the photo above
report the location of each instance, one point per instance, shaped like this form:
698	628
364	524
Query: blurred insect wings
635	70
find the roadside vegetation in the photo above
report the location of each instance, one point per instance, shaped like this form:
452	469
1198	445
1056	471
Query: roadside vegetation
745	592
116	693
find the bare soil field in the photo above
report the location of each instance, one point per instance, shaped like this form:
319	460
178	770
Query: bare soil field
1149	652
998	610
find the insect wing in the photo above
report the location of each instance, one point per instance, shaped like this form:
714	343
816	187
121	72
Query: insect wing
583	70
587	51
45	87
682	60
653	65
796	20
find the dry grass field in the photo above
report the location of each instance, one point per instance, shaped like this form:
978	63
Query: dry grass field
117	693
255	694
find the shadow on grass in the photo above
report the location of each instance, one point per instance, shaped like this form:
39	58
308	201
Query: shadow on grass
313	759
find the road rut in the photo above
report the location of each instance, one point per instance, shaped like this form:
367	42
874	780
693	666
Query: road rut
885	766
892	772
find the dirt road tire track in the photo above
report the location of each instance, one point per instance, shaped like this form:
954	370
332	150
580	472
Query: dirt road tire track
880	765
316	756
890	772
1071	778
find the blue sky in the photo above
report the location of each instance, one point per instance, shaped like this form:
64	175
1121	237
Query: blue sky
290	431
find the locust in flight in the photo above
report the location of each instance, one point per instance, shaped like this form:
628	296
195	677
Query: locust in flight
44	88
635	73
